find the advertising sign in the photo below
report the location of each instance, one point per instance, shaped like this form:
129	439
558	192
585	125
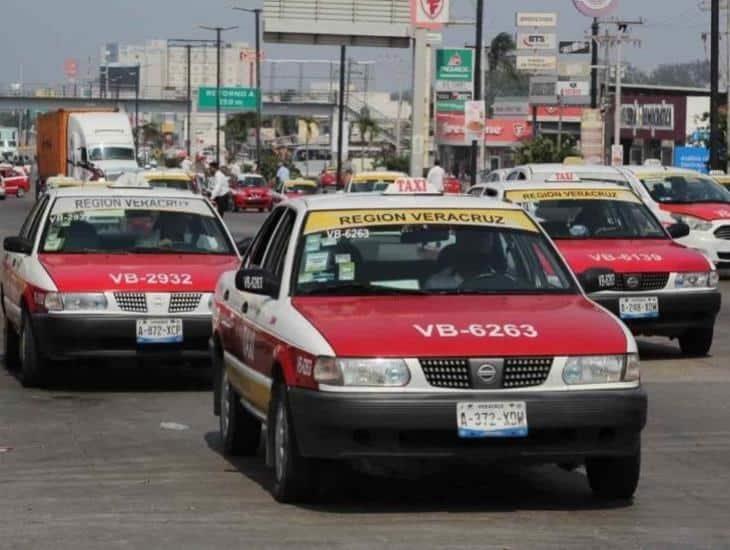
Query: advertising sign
505	132
617	155
232	99
430	14
574	88
543	90
454	69
574	47
595	8
537	19
692	158
536	41
450	128
591	136
537	63
511	108
574	69
451	101
474	117
658	116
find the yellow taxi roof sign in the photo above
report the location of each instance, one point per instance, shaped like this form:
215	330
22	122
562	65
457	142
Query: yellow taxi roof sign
568	161
563	177
411	186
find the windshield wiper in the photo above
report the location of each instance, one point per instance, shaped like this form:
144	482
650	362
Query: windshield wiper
359	289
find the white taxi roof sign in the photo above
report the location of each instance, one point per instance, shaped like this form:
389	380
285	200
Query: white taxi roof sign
564	177
411	186
131	180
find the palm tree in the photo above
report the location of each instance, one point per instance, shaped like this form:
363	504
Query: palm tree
367	127
310	126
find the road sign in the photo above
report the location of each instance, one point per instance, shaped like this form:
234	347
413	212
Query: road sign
454	69
595	8
537	63
574	47
537	19
232	99
536	41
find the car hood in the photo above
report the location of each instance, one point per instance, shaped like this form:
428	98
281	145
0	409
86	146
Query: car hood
631	255
136	272
708	211
451	326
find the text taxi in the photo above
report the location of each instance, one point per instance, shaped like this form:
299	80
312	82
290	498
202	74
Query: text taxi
373	327
107	272
662	287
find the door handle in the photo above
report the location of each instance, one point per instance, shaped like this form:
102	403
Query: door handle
226	295
244	307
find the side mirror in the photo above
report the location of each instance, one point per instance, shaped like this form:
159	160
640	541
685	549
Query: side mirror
597	279
257	281
17	245
243	244
678	230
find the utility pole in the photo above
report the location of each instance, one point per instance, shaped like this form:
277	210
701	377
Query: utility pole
727	90
218	32
595	29
477	84
341	116
714	85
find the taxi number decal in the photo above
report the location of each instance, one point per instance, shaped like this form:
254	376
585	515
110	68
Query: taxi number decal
478	330
348	233
152	278
635	257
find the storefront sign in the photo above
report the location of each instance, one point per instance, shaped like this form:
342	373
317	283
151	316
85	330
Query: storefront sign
648	117
506	132
518	108
692	158
543	90
454	69
575	47
536	41
574	88
430	14
474	117
537	19
232	99
537	63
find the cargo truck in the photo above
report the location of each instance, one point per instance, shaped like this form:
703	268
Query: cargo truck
84	144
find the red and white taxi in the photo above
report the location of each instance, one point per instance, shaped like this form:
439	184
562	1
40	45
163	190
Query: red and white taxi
375	327
251	191
695	199
662	287
105	272
13	181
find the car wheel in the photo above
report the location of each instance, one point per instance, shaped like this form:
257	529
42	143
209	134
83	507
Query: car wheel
240	430
292	472
614	477
20	194
33	367
696	341
11	347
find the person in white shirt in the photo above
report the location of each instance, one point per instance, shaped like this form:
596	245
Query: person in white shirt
435	176
187	165
282	174
221	188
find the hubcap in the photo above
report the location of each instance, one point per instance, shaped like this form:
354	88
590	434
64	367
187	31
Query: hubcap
225	405
281	436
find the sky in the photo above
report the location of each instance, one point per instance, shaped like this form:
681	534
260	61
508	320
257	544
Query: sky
38	35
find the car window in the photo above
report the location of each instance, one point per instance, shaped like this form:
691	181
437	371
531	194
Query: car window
683	189
255	254
276	252
476	192
27	230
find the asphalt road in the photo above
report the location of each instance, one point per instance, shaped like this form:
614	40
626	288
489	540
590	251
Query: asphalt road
94	462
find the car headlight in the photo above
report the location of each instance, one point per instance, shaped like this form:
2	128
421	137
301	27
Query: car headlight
701	279
601	369
361	372
78	302
695	224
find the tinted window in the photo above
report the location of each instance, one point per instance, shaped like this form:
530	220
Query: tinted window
30	225
276	252
257	249
685	189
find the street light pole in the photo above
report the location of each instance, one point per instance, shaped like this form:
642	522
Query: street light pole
218	32
477	84
714	85
188	53
136	111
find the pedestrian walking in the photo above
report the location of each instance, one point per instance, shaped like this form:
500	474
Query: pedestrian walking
435	177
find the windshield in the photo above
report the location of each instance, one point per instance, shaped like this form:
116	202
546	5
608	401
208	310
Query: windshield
111	153
596	219
369	186
685	189
301	188
251	181
427	258
113	225
182	185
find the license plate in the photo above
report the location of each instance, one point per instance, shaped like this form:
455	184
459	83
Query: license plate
639	307
159	331
491	419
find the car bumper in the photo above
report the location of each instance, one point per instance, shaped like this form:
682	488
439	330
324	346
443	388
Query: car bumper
677	311
562	426
253	203
102	336
717	250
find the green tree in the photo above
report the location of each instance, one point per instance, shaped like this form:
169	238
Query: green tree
368	129
544	149
237	127
503	78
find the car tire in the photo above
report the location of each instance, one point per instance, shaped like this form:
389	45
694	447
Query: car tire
292	472
696	342
33	367
614	478
11	347
240	430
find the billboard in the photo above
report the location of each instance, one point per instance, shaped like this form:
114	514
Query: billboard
505	132
537	63
454	69
568	47
536	41
692	158
430	14
377	23
537	19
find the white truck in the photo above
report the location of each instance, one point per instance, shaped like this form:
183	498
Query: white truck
8	143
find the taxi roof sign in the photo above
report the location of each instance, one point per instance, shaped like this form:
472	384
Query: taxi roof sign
411	186
564	177
131	180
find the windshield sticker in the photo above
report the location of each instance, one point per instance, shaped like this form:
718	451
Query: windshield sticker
316	261
313	243
323	277
336	220
342	258
328	241
305	278
535	195
346	271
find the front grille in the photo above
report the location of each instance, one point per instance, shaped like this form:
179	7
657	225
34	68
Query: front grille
447	373
134	302
646	281
184	302
723	232
521	372
518	372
